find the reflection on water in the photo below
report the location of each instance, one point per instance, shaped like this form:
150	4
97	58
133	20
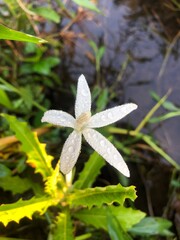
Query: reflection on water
134	36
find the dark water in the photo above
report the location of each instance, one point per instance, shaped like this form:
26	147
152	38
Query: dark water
132	35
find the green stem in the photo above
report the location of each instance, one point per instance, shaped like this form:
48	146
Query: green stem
151	112
146	139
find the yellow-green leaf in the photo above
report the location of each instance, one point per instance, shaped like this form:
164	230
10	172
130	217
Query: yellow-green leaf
98	196
23	208
36	153
10	34
55	183
62	229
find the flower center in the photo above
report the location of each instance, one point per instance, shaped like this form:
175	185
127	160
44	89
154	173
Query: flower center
82	121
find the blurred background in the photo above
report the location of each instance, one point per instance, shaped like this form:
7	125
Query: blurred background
129	51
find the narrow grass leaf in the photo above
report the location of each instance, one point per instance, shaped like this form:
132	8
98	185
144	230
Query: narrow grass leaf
91	170
98	196
167	104
10	34
164	117
151	112
23	208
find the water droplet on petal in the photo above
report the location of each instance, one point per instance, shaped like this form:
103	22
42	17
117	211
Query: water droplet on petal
89	135
70	149
108	150
84	93
102	143
110	115
94	135
103	118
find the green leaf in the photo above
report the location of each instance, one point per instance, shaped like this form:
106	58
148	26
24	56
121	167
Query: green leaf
23	208
54	183
164	117
167	104
91	170
47	13
102	100
101	52
93	45
9	34
4	171
97	217
7	86
27	96
87	4
114	228
151	226
4	100
15	184
37	156
63	228
44	66
100	195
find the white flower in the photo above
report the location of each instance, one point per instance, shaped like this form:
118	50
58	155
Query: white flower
83	124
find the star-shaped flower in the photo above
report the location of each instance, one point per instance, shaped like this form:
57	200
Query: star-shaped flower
84	124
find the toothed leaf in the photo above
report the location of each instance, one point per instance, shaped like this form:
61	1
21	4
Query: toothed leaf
62	228
37	156
100	195
23	208
54	183
97	217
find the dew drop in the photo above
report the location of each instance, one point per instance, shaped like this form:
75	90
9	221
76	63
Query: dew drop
115	157
94	135
103	118
70	149
89	135
84	93
102	143
110	116
108	150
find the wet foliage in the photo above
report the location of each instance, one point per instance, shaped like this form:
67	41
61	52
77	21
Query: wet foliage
128	51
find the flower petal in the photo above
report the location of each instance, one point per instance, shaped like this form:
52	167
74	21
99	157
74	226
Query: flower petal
106	150
83	97
70	152
59	118
110	115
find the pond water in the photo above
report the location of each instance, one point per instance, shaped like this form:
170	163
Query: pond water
133	38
